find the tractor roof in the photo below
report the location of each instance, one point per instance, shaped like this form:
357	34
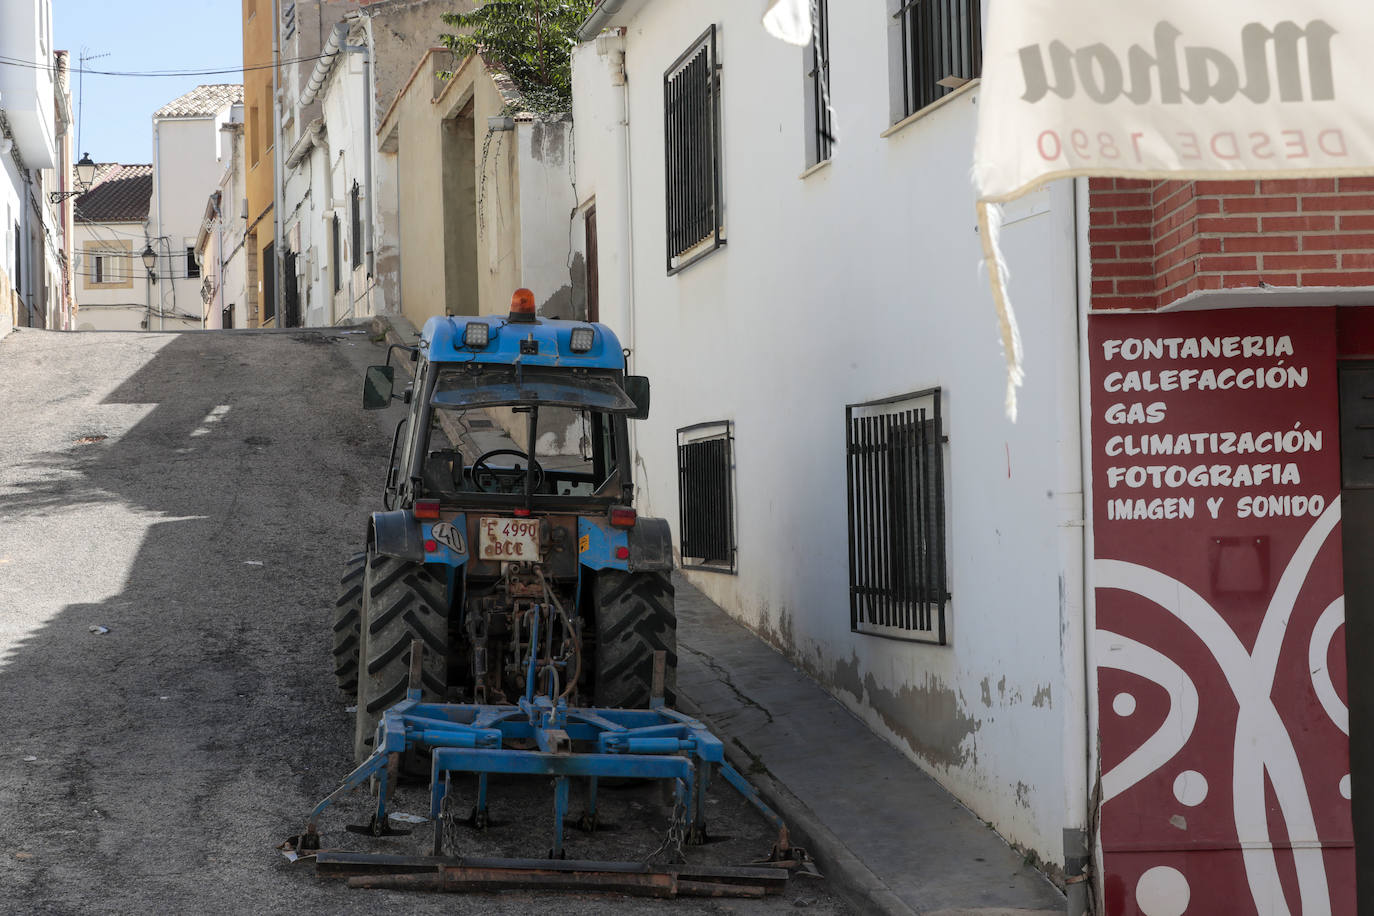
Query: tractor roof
442	340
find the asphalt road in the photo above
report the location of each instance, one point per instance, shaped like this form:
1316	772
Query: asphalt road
196	494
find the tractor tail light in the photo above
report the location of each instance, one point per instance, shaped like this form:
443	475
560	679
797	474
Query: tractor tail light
426	508
623	517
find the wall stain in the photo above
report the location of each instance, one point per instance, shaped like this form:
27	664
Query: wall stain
846	677
986	684
569	300
1042	697
929	718
1002	687
1023	795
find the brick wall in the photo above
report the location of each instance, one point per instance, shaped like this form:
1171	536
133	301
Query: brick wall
1154	242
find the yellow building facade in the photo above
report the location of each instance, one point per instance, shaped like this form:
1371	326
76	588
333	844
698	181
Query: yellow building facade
259	150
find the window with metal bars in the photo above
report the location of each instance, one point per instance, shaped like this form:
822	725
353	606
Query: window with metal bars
355	209
335	265
819	128
938	47
706	495
691	131
896	482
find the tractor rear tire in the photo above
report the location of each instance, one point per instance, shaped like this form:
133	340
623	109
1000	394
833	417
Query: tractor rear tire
347	612
402	601
634	618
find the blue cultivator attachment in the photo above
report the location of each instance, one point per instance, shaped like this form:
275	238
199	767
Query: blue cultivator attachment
542	736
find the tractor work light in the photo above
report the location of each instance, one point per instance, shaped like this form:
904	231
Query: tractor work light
522	305
581	339
477	334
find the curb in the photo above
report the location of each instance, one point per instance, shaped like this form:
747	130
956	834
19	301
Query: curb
853	880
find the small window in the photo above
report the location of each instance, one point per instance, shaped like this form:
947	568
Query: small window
227	317
819	116
938	48
192	264
335	264
254	133
99	274
356	212
706	498
691	118
897	518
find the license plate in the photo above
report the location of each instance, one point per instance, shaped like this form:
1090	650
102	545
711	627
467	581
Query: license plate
509	540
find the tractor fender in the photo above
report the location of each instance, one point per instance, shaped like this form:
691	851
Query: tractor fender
651	545
396	534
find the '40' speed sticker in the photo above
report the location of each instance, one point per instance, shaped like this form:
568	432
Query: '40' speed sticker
449	536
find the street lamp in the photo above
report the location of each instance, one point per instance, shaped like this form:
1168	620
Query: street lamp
149	260
85	174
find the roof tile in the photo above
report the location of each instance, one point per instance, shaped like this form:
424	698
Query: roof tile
118	194
202	101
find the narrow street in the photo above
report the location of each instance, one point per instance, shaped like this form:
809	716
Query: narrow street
174	510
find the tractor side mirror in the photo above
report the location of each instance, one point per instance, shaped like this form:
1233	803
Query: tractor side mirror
637	387
377	386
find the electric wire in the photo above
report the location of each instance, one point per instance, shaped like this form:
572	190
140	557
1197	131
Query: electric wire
217	71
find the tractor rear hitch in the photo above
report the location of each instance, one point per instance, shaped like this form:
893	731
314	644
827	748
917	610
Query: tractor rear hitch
658	743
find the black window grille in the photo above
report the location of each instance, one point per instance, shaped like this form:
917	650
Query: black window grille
942	48
819	118
335	265
269	283
691	132
706	498
227	317
355	205
192	265
897	583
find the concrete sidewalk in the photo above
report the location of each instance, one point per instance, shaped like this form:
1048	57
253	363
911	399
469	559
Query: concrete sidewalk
890	837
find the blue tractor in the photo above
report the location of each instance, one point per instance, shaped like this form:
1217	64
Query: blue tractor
469	553
513	616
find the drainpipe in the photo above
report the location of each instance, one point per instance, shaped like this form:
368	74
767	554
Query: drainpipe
26	247
599	19
157	179
277	178
613	48
1082	852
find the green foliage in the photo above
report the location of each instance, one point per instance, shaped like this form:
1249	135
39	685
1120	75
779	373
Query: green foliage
531	39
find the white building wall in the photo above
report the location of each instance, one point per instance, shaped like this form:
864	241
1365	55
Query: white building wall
347	147
26	93
543	166
123	305
11	191
857	282
187	165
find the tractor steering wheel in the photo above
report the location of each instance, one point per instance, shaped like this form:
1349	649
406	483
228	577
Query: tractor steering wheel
480	467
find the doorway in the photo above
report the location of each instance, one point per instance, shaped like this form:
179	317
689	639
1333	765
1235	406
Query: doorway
459	189
1357	535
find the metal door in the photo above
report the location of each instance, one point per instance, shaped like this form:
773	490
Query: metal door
1357	527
